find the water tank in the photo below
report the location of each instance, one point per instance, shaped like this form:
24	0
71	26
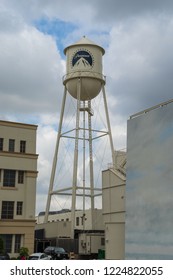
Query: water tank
84	62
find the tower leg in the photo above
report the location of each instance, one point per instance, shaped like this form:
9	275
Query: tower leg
84	166
109	127
91	164
55	158
75	164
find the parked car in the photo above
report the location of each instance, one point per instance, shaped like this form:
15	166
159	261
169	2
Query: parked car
49	250
39	256
57	253
4	256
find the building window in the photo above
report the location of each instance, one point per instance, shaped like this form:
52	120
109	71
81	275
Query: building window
77	221
19	208
102	241
20	177
11	145
7	239
22	146
7	211
9	178
17	243
1	144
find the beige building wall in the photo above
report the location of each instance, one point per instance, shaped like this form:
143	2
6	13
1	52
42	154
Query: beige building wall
58	229
21	159
113	197
79	221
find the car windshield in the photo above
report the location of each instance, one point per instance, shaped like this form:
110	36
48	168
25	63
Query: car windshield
49	249
60	250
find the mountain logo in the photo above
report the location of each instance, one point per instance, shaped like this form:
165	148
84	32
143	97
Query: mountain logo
82	59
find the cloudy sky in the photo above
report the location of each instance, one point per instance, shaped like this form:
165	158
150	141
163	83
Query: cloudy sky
138	63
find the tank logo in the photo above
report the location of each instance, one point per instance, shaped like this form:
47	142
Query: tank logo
82	59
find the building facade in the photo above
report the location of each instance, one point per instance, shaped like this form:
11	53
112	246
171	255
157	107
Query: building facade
113	197
82	221
18	174
57	231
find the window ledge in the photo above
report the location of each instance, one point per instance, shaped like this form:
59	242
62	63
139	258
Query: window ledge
9	188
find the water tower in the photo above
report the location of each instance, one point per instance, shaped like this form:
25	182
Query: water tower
83	81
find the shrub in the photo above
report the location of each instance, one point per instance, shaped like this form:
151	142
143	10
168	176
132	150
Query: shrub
23	253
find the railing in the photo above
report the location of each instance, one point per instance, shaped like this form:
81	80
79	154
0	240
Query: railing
85	74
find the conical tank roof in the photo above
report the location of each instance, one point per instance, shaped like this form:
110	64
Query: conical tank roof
83	42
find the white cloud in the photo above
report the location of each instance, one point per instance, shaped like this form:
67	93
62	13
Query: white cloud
138	63
31	72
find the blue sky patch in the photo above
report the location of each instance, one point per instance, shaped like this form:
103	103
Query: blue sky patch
56	28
